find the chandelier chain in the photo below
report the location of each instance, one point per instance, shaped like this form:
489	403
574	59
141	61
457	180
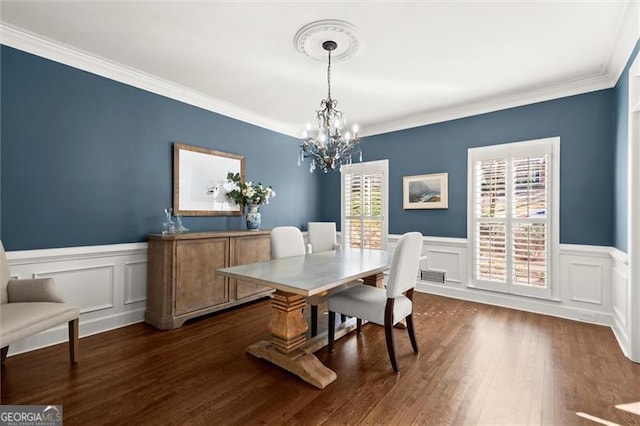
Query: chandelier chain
329	75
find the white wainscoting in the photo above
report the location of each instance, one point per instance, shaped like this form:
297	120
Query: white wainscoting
109	283
448	255
586	281
621	299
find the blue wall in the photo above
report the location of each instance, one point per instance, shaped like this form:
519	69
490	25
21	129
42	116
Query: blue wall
621	140
584	124
87	161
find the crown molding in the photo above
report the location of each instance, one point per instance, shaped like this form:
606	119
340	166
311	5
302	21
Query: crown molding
627	35
626	39
31	43
576	87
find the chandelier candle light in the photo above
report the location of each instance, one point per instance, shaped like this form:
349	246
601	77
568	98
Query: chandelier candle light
324	142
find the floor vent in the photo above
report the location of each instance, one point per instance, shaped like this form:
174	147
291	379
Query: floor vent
432	276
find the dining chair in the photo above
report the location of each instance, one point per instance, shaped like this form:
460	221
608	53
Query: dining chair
287	241
384	306
322	236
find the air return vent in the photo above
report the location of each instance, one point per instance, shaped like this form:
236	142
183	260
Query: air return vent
432	276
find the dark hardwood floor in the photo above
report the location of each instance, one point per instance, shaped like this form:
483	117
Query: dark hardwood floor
478	364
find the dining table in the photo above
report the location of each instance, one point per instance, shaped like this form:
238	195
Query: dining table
295	279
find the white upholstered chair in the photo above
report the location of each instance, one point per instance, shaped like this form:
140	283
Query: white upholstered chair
287	241
384	306
29	306
322	236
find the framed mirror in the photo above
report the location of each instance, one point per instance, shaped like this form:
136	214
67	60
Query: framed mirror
200	181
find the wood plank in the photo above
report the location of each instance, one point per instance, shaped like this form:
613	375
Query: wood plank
474	360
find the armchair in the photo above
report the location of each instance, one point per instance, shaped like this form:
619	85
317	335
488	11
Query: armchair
29	306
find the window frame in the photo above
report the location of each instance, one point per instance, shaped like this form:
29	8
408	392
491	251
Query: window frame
550	146
363	168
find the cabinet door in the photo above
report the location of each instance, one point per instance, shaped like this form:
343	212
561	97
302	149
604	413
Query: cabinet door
197	285
248	250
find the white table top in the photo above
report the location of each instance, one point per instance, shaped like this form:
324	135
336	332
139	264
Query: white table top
312	273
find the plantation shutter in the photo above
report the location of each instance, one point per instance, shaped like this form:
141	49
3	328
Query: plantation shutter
510	217
491	224
364	205
529	221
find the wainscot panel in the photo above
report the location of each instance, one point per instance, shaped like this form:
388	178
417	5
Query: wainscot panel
620	299
583	296
585	277
107	282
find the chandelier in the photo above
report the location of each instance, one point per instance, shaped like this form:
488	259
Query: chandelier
324	143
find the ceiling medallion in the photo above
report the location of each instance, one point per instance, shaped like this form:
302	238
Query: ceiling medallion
308	40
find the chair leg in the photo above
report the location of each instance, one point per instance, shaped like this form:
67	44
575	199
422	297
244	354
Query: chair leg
314	320
73	339
3	353
359	325
332	330
388	333
412	335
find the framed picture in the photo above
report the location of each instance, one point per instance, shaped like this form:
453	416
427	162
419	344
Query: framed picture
426	191
200	181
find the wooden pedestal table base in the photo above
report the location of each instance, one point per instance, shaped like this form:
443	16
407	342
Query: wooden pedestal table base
376	280
288	334
295	278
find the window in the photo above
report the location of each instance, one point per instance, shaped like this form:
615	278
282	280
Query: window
513	216
365	204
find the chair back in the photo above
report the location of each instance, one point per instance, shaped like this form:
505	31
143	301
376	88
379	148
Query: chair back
286	241
4	276
404	264
322	236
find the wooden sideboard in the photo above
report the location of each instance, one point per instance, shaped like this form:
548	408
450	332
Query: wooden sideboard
181	275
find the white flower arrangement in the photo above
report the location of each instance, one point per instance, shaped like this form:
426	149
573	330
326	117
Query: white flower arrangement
246	193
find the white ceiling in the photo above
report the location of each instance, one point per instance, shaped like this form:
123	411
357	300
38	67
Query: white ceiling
419	62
